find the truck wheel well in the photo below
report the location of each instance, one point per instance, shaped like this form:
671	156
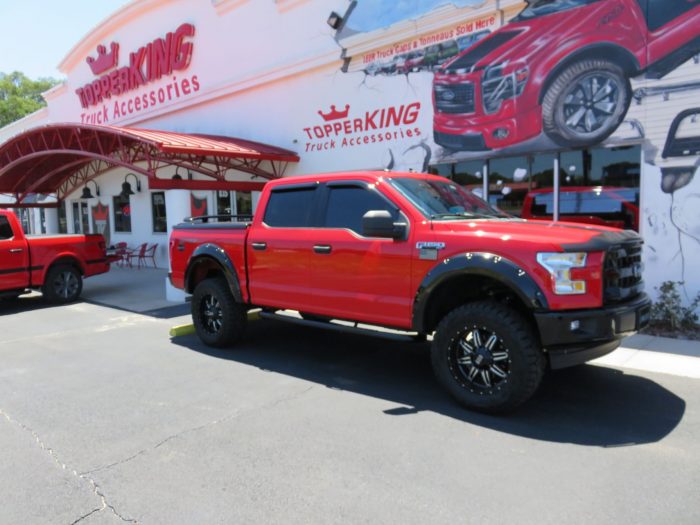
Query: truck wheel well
612	53
67	261
201	269
462	289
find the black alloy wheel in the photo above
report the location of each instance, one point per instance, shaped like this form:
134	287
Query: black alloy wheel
487	356
218	319
479	360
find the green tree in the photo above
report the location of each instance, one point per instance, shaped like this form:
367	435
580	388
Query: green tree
20	95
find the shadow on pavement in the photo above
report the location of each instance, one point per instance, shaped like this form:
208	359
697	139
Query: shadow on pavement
36	302
586	405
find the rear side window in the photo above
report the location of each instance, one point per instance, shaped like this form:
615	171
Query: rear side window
5	229
661	12
347	205
290	208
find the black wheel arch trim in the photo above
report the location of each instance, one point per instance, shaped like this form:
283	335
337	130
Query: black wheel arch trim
482	264
206	253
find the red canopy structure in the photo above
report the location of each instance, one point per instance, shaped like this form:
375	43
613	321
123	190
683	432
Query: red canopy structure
59	158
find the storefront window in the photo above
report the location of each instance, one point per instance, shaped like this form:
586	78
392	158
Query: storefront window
616	166
223	203
160	223
469	174
62	219
122	214
571	168
244	204
509	183
541	171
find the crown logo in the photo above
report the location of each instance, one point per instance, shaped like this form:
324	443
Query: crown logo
104	60
100	212
334	114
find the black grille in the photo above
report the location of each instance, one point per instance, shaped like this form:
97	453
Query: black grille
623	272
455	98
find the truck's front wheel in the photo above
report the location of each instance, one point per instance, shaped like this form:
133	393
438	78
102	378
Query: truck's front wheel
218	319
486	355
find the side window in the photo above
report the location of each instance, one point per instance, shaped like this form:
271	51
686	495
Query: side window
661	12
5	229
347	205
289	208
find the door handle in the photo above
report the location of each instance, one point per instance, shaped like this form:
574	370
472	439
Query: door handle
16	250
323	249
259	246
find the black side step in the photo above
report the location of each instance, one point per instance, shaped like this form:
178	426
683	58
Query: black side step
331	325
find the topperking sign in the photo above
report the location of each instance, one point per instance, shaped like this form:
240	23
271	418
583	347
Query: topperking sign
148	64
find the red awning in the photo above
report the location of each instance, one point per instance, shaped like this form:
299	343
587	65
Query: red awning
59	158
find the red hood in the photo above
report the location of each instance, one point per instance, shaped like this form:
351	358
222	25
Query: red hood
509	236
522	40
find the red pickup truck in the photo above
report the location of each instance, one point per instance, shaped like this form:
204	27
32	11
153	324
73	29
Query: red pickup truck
562	67
54	264
504	297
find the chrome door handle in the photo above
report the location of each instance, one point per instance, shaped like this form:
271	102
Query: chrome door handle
16	250
323	249
259	246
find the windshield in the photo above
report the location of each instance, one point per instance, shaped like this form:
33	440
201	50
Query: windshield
444	200
537	8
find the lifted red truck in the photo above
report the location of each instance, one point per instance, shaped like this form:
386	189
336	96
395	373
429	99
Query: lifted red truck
504	297
54	264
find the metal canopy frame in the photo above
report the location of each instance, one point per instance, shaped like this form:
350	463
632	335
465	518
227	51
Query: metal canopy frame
60	158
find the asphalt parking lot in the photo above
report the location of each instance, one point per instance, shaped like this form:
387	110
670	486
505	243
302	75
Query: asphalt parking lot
105	419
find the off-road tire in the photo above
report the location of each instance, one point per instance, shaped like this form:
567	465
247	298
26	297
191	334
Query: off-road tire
63	284
523	367
219	320
573	78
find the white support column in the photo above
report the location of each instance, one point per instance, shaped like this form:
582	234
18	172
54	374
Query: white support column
177	207
51	215
555	197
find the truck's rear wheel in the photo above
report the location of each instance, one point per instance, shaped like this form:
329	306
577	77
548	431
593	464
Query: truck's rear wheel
218	319
487	357
586	103
63	284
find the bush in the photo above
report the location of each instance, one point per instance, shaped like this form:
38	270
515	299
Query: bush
668	311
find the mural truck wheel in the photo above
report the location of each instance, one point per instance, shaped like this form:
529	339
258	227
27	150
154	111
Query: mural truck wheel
63	284
586	103
218	319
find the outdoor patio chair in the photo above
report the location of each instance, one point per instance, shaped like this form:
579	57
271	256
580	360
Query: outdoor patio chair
148	253
121	250
138	254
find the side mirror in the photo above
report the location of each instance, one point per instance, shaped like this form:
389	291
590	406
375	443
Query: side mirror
379	223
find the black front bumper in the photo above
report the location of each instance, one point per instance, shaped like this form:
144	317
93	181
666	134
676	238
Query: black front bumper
469	142
599	331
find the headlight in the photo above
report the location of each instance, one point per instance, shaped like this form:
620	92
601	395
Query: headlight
497	87
559	266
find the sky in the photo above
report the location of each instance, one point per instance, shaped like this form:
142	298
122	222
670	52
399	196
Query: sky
370	14
38	34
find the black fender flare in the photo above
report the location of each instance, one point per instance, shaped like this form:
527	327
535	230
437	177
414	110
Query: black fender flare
483	264
205	253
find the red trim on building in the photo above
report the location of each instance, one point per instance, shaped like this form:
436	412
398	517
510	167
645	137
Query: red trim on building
59	158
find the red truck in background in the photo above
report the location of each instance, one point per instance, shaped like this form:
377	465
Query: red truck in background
54	264
504	297
562	67
602	206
